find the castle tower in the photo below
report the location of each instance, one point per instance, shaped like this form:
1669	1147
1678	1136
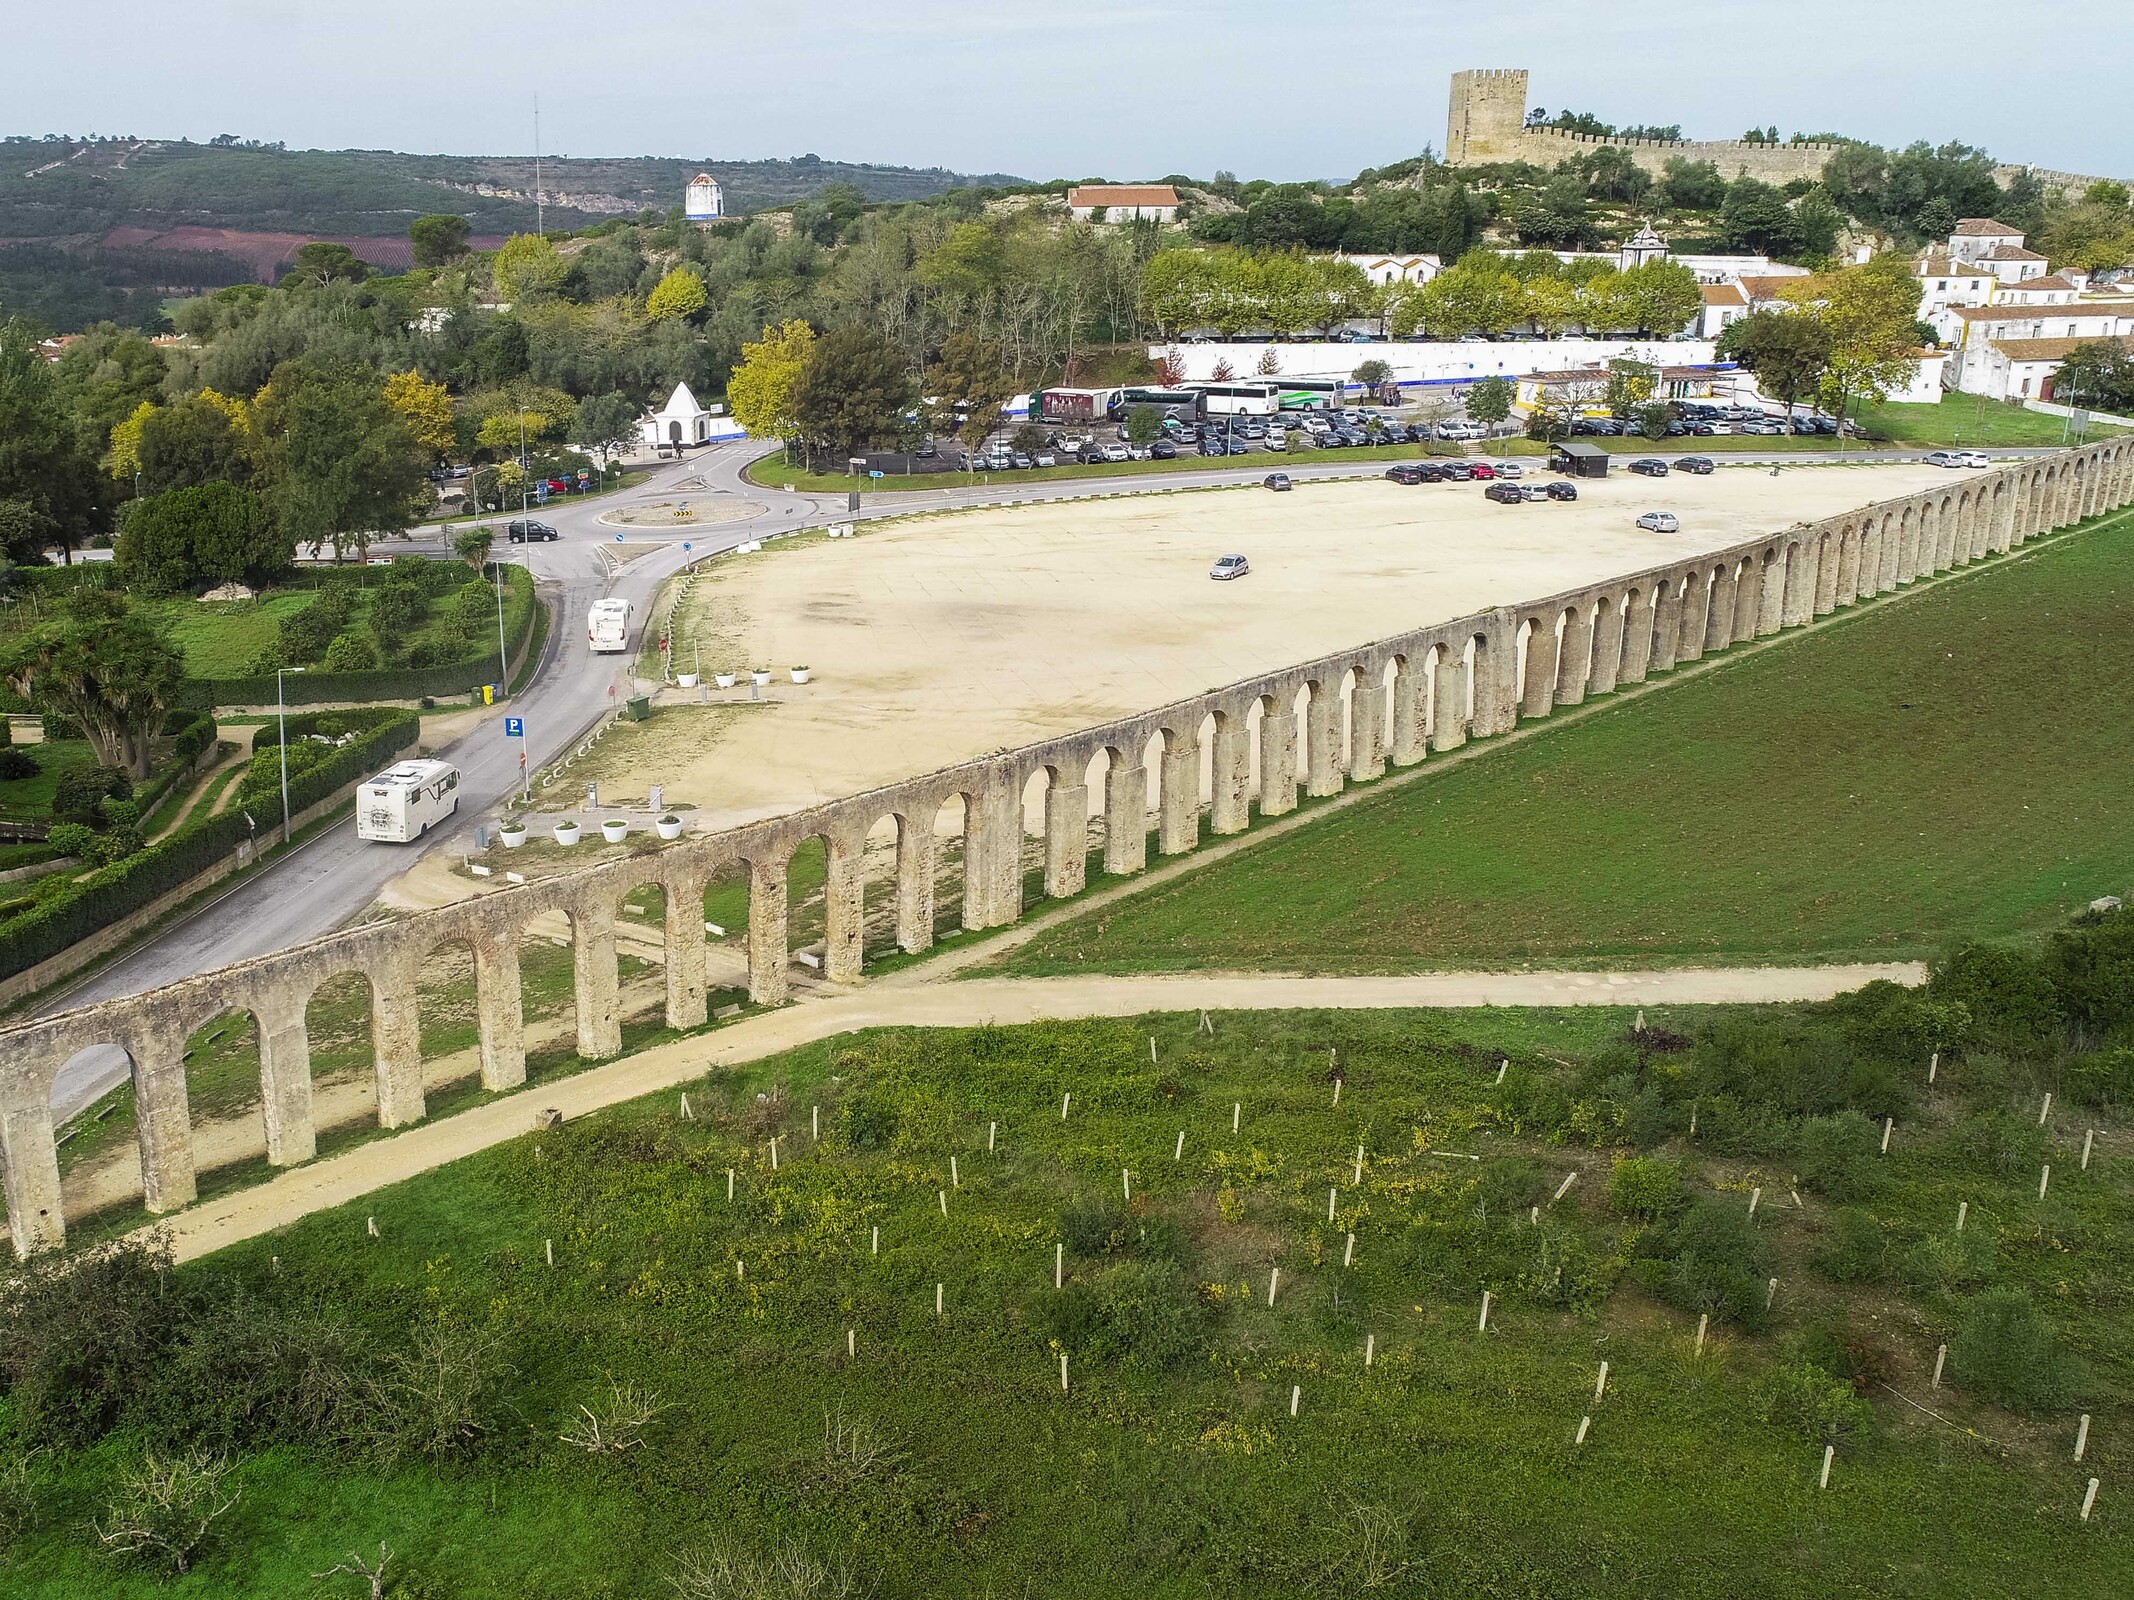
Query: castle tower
1487	115
703	202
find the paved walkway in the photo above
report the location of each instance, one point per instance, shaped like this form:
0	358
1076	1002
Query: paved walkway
334	1181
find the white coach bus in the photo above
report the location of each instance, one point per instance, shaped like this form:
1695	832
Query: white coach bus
400	803
607	626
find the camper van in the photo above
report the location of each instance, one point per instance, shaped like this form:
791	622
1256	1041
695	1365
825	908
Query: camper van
607	626
401	802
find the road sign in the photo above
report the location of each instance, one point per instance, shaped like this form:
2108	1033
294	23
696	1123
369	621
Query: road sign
514	727
874	474
687	547
618	538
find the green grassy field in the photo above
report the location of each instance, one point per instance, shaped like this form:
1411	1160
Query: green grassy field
429	1385
1968	419
1944	765
30	799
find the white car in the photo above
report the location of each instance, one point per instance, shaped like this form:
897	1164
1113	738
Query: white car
1227	567
1659	522
1973	458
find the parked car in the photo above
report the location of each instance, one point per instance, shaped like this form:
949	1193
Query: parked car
1163	450
1973	458
1406	472
1562	491
1458	471
1699	465
529	532
1660	522
1276	480
1943	458
1536	491
1117	452
1505	494
1023	463
1481	469
1509	469
1278	440
1649	467
1227	567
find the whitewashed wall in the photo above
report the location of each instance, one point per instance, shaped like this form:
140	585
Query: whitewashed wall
1437	363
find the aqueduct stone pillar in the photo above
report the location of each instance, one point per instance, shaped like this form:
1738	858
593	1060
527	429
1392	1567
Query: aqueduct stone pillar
1827	563
979	872
1798	604
768	953
1574	666
1538	692
915	884
1410	734
1367	716
1848	584
1694	608
1126	813
1666	624
285	1081
1002	802
1066	837
844	908
1448	719
162	1117
1607	666
1178	795
1230	775
688	999
1771	592
1496	684
1637	639
1719	613
1278	762
396	1047
594	979
29	1155
1322	740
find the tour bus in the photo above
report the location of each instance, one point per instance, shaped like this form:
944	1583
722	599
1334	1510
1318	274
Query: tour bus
1184	404
1244	399
1311	394
607	626
400	803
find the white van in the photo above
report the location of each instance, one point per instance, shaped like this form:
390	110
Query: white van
401	803
607	626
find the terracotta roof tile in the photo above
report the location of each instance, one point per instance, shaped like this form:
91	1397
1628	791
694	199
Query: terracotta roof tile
1722	294
1122	194
2019	313
1985	227
2051	349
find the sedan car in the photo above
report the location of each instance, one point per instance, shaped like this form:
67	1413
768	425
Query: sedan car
1660	522
1505	494
1405	473
1700	465
1482	469
529	532
1509	469
1273	480
1649	467
1943	458
1973	458
1227	567
1563	491
1535	491
1163	450
1458	471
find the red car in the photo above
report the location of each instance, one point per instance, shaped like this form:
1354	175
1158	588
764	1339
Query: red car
1482	469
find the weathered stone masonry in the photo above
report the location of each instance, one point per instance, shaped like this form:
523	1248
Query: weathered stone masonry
1393	700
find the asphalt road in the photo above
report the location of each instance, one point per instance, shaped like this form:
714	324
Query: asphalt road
333	876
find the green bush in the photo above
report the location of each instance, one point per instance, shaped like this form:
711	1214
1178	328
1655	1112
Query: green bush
81	792
116	844
83	1338
1855	1249
2092	971
1137	1313
351	652
1840	1155
870	1121
71	838
1949	1262
16	762
1092	1228
2000	1143
2007	991
2006	1351
1646	1187
2103	1079
1711	1259
1821	1408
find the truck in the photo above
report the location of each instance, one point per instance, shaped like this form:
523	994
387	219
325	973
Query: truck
399	804
607	626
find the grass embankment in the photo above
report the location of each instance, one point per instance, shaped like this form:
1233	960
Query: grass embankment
1950	764
431	1372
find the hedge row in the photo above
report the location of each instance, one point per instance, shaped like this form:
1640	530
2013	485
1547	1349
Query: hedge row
190	732
391	683
124	887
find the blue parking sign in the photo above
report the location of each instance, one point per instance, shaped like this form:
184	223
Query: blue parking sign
514	727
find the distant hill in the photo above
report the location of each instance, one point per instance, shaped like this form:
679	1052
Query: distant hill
81	192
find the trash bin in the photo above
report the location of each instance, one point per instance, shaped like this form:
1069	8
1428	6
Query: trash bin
638	707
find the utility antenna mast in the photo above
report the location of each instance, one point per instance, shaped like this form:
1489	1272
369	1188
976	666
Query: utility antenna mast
540	222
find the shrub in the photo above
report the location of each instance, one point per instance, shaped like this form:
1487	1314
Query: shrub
870	1121
1711	1259
2009	1353
1840	1155
1092	1228
116	845
81	791
1948	1262
434	1400
1855	1249
2007	991
351	652
1147	1316
250	1371
1564	1271
166	1507
82	1339
1819	1407
16	762
71	838
2103	1079
121	813
2092	970
1646	1187
397	610
1997	1142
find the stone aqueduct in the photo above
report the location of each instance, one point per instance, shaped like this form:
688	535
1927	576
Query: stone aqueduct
1392	700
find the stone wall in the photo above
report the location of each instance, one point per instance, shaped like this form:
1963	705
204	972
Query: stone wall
1343	718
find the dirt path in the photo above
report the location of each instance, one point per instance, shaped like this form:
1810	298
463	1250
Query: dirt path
241	736
338	1179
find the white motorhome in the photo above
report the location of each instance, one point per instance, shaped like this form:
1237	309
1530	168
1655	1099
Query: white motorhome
400	803
607	626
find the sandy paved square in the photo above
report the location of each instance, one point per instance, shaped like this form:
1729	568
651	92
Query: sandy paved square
939	639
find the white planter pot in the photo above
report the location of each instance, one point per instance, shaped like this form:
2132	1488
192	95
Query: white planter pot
688	680
512	837
802	674
567	833
724	680
669	830
759	678
614	830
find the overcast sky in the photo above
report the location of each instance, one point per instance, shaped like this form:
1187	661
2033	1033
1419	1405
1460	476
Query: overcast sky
1284	90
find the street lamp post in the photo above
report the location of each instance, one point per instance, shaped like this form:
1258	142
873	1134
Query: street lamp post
281	722
503	660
